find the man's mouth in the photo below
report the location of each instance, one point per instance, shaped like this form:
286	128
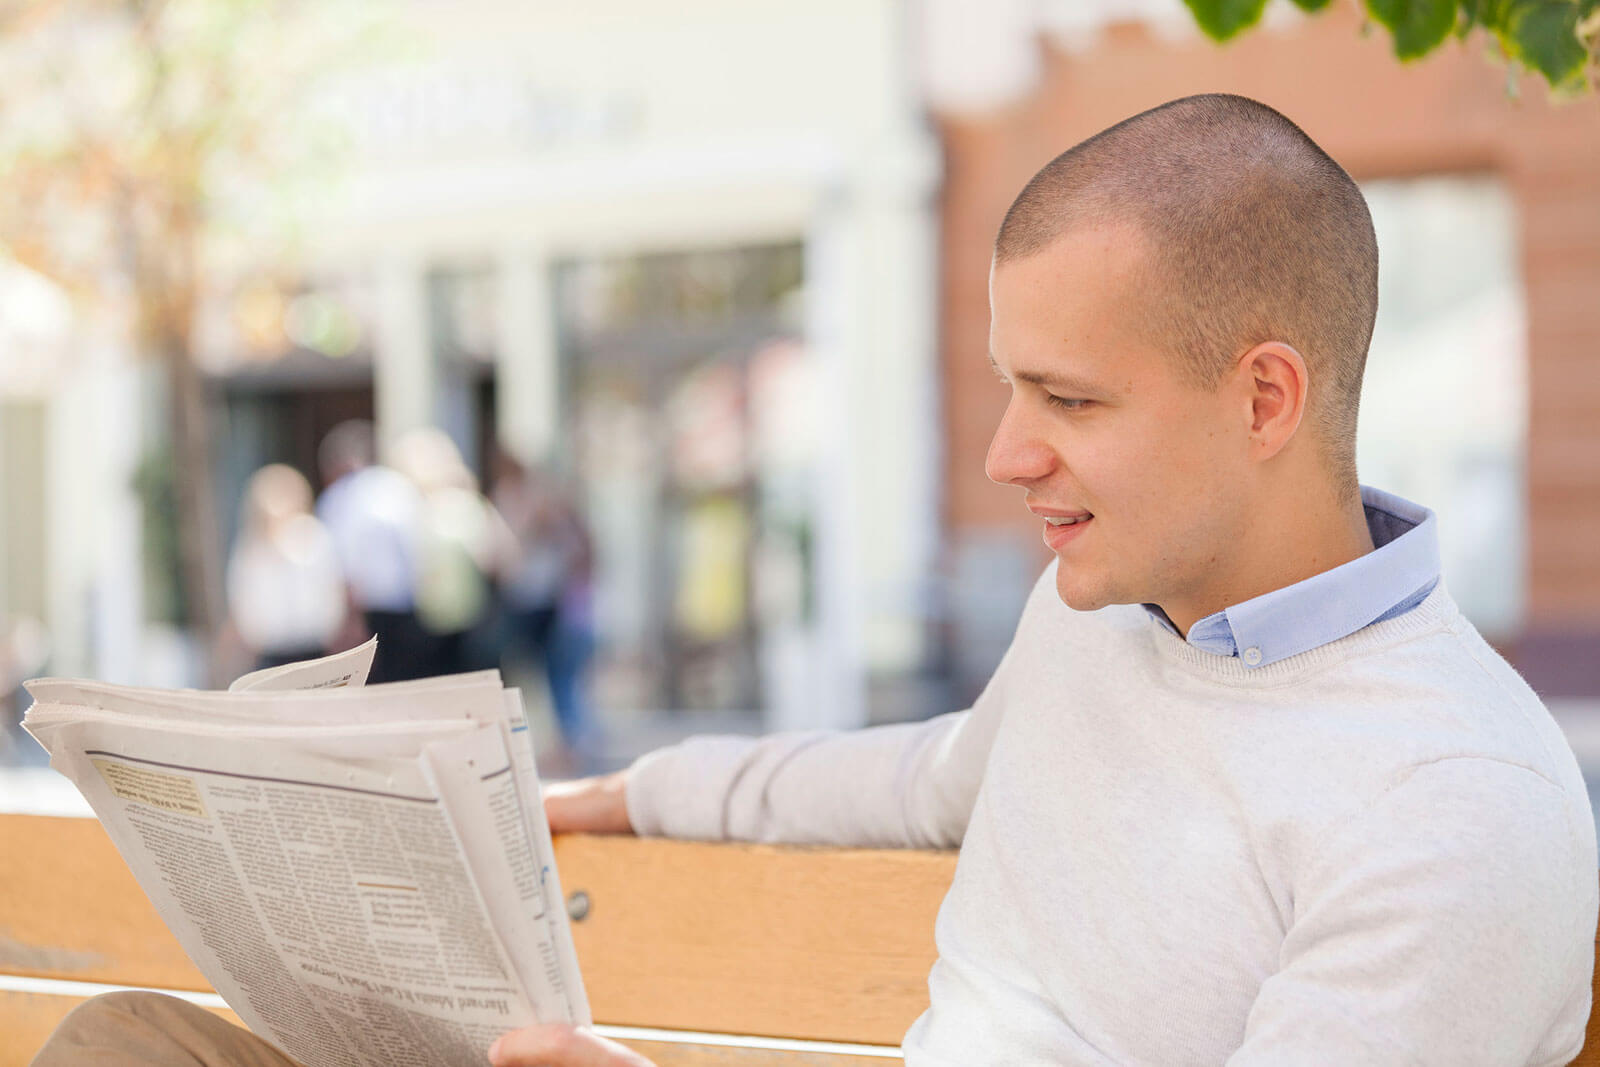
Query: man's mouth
1060	529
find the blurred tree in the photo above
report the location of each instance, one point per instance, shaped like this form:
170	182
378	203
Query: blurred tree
1555	38
133	135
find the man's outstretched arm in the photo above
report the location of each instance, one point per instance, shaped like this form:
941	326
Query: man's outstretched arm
907	785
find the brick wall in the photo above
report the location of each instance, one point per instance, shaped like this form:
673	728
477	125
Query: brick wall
1379	118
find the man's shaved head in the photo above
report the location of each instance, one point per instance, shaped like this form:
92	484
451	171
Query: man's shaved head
1256	235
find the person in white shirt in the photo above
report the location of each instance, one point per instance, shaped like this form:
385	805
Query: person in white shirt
285	589
374	514
1251	788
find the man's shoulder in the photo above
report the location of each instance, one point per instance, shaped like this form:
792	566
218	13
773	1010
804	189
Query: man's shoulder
1431	652
1449	672
1440	704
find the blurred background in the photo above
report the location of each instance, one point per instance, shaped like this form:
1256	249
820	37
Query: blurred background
639	349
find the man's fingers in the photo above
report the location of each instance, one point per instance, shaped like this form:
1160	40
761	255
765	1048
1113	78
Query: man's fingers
589	805
559	1045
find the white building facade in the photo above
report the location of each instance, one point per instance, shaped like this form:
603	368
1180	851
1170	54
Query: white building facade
515	169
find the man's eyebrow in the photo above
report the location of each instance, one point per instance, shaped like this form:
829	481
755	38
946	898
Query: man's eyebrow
1064	383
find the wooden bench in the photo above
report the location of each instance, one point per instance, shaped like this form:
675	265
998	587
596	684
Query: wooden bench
755	956
732	945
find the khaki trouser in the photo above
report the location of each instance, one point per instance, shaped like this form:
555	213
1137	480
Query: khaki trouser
148	1029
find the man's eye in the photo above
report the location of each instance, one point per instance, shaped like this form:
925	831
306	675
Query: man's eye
1068	403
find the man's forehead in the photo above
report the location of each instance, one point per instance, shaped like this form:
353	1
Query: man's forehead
1057	378
1081	282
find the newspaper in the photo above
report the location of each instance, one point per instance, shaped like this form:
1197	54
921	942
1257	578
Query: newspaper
364	873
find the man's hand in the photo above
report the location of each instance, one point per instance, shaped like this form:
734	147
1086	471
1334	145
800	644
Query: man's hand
559	1045
589	805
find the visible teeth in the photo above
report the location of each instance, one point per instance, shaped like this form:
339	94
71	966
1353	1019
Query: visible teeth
1053	521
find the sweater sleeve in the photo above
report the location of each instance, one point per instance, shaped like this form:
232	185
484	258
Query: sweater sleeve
1451	922
906	785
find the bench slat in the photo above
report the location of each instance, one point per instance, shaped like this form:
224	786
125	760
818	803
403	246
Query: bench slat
26	1019
70	909
827	945
1590	1056
675	1055
805	943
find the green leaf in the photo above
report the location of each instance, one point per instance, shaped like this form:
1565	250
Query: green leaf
1418	26
1544	35
1222	19
1493	14
1311	5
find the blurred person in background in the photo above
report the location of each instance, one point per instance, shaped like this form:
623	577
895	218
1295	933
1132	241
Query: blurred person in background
373	514
286	598
462	543
546	597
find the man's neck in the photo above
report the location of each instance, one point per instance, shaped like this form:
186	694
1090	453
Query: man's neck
1297	539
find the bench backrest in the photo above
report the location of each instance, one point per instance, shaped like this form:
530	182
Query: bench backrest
818	945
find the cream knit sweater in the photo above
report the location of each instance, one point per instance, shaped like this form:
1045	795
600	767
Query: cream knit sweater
1379	851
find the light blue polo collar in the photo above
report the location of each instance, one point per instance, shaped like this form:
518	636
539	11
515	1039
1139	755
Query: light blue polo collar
1393	578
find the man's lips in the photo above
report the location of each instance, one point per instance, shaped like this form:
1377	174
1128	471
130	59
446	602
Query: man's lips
1067	525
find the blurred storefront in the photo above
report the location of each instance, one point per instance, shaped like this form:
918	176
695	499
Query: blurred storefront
688	270
70	567
712	264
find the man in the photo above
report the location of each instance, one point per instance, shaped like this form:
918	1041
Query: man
1246	787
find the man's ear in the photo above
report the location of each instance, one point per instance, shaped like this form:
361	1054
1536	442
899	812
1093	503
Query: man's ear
1274	377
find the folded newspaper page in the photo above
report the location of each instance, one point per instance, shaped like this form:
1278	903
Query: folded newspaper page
364	873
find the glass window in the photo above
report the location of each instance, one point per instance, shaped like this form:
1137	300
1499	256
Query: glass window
1444	407
682	372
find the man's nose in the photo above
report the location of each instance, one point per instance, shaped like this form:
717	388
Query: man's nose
1017	453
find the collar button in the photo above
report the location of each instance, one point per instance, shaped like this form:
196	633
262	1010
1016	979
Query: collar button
1252	656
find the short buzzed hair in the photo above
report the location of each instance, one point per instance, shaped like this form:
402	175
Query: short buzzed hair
1255	235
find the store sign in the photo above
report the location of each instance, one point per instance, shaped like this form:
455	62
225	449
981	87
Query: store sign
424	114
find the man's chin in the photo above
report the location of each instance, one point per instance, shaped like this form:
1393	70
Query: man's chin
1078	595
